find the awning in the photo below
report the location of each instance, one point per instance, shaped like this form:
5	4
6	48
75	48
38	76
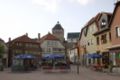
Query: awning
24	56
94	55
53	56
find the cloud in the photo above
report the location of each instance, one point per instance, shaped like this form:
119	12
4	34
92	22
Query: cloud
49	5
53	5
83	2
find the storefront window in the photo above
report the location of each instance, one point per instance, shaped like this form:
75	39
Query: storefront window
105	59
118	31
118	59
118	55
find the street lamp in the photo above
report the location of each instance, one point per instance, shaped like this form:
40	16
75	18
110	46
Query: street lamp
66	54
78	59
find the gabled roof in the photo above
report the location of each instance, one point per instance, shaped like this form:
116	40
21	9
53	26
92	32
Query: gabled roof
117	5
109	15
23	38
49	36
1	40
57	26
92	20
96	19
81	33
73	35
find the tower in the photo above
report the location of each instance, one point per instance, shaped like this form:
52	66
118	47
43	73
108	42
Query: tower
58	31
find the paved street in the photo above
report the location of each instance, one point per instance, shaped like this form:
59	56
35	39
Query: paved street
85	74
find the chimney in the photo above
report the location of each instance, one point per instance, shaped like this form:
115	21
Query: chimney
38	36
9	39
26	34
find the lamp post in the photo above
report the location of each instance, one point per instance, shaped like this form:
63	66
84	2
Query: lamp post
66	54
78	59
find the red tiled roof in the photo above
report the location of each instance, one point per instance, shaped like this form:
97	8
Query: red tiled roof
49	36
24	38
1	40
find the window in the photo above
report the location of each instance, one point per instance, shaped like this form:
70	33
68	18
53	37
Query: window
110	36
55	43
71	40
104	38
117	58
89	61
48	43
17	51
17	44
49	50
91	42
43	49
118	31
97	40
20	44
103	23
88	43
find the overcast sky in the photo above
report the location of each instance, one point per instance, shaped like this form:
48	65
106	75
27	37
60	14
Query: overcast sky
39	16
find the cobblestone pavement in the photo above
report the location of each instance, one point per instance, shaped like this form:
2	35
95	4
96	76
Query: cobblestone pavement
85	74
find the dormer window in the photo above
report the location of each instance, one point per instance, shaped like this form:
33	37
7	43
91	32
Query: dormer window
103	23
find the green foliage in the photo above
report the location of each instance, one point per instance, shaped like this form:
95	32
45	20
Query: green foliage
1	50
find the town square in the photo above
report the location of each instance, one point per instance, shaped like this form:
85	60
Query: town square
62	46
85	74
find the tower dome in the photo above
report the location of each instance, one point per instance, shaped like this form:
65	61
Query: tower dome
58	31
57	26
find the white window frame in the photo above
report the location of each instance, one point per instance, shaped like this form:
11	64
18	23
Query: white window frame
118	31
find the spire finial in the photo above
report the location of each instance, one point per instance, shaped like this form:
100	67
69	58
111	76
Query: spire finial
57	22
